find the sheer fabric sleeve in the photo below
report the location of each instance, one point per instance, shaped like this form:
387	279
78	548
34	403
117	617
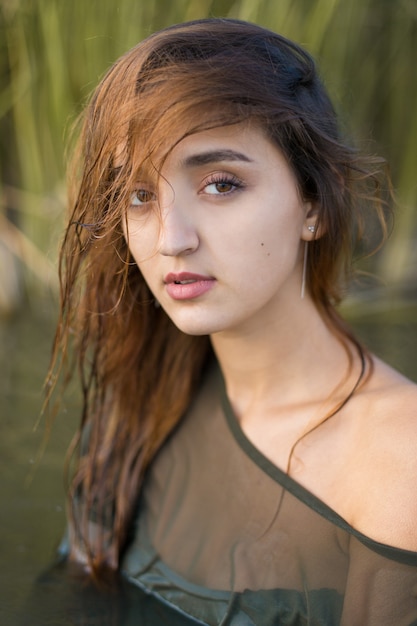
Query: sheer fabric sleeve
380	591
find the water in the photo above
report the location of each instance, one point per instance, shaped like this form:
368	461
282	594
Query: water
32	516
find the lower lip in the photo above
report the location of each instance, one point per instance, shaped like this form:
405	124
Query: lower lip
189	291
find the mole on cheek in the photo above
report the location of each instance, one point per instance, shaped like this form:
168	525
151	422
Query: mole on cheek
268	253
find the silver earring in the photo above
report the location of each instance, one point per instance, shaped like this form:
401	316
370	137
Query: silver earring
312	229
304	278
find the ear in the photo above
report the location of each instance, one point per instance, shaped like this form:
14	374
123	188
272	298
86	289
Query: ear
311	227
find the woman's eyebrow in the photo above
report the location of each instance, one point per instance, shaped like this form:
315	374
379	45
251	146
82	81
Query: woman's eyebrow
214	156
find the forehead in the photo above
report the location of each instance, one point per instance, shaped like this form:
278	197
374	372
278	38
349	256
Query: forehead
154	134
233	142
224	143
242	149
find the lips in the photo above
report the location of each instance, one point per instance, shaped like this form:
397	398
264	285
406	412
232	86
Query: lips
187	286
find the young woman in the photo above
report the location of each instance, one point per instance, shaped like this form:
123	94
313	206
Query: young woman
242	456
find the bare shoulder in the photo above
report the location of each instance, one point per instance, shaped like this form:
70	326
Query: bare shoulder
386	463
391	399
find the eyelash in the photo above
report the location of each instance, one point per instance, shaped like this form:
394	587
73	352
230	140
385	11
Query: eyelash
134	197
224	179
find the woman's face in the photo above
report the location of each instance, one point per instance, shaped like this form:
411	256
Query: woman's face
219	238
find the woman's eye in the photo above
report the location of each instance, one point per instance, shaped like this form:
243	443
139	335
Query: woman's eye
222	186
219	188
142	196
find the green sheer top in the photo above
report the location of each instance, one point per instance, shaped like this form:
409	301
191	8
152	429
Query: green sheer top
226	537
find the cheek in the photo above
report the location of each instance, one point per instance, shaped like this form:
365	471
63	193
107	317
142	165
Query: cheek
276	236
273	251
281	232
142	235
148	274
265	249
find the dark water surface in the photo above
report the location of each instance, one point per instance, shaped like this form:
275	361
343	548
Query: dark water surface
31	513
32	517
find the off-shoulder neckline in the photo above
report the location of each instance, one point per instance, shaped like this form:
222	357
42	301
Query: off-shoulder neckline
407	557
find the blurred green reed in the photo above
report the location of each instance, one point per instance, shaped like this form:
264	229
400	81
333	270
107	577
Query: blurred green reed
53	52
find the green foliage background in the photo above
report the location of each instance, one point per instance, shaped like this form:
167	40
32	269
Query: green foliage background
53	52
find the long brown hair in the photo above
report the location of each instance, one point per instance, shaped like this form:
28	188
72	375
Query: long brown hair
138	372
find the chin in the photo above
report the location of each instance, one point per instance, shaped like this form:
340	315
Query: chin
195	330
196	327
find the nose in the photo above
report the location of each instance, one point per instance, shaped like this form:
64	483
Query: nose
178	233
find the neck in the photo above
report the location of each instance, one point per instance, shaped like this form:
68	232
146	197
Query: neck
295	358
